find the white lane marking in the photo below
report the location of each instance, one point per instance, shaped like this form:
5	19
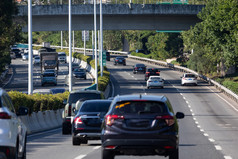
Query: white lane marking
193	114
191	110
186	101
181	94
196	122
198	126
194	119
80	157
201	130
218	147
227	157
96	147
189	106
224	100
211	140
184	98
205	134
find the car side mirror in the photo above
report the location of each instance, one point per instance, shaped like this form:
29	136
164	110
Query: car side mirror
179	115
22	111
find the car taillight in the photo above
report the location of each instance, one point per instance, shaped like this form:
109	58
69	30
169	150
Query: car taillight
167	118
150	81
4	115
147	72
111	118
78	120
158	73
136	67
69	110
184	78
116	60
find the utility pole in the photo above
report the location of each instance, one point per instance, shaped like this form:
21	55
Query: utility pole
70	48
95	45
101	38
30	70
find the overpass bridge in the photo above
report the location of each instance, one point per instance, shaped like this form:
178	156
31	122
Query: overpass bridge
169	17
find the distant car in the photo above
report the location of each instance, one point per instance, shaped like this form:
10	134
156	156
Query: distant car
140	125
80	73
189	79
17	52
36	60
155	81
139	68
77	96
62	57
48	78
108	56
13	132
57	90
25	57
41	91
151	72
51	71
75	66
87	123
120	60
13	55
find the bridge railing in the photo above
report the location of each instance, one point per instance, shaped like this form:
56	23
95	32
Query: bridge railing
58	2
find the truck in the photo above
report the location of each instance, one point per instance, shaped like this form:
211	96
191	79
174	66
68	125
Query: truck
49	60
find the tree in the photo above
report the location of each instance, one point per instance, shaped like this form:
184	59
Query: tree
216	35
9	31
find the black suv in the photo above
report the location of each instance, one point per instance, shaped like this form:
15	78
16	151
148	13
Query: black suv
139	68
120	60
87	123
140	125
151	72
73	104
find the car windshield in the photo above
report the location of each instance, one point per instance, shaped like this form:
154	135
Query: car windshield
37	57
155	78
95	107
74	97
79	70
153	70
139	107
48	75
61	54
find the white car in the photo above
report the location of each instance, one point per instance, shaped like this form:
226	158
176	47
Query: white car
36	60
25	57
189	79
155	81
62	57
13	132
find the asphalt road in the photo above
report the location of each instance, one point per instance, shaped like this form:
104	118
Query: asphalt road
208	131
19	80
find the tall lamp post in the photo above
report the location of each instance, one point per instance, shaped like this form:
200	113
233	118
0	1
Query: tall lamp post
70	49
101	38
30	70
95	45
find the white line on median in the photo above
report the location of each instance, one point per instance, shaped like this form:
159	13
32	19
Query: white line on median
96	147
80	157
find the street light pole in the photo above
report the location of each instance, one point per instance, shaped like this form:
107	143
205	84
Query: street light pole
70	49
101	37
95	45
30	70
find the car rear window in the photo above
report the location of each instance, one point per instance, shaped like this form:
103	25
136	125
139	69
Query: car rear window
74	97
140	65
189	75
48	75
95	107
139	107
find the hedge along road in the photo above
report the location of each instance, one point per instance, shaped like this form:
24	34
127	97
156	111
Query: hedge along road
19	81
209	130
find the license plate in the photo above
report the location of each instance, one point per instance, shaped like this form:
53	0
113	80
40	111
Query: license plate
120	60
140	68
156	81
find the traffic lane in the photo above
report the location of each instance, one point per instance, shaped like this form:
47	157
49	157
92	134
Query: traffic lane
209	104
191	139
52	144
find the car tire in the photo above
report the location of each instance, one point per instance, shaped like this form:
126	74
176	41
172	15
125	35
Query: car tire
85	77
107	154
174	154
76	141
134	72
64	129
148	87
24	151
162	87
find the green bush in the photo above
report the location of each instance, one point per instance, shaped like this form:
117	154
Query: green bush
38	102
233	86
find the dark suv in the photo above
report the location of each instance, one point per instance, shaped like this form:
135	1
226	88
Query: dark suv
151	72
73	104
140	125
87	123
120	60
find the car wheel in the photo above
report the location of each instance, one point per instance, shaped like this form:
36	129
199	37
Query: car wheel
76	141
148	87
174	154
64	129
107	154
24	151
85	78
134	72
85	141
162	87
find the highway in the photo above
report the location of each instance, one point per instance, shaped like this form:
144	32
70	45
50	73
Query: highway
19	80
208	131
